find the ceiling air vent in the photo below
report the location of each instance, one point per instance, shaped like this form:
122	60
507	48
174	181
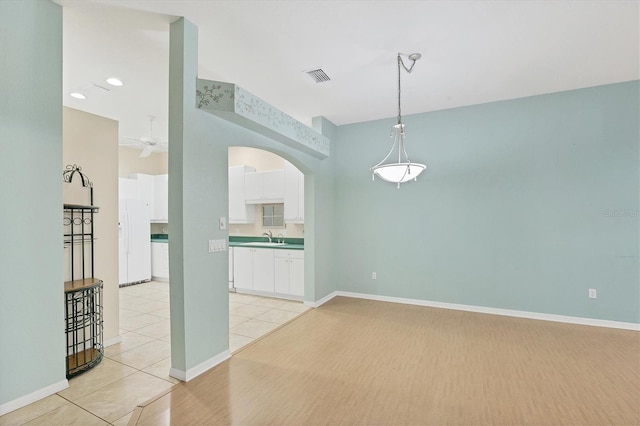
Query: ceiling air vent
318	75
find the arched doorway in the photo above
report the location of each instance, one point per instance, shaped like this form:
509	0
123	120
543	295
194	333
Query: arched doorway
266	243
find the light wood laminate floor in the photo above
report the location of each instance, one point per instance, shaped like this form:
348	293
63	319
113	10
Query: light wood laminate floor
137	368
364	362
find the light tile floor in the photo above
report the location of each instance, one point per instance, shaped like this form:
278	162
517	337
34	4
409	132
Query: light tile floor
137	369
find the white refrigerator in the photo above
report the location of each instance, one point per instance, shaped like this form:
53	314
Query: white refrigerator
134	230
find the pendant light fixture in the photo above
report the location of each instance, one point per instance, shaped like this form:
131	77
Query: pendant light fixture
404	170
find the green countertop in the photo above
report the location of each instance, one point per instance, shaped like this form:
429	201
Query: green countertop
284	246
258	242
255	242
159	238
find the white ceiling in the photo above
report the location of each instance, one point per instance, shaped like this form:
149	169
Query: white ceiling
472	52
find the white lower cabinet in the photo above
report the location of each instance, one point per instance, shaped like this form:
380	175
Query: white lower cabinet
269	271
230	267
263	277
243	268
296	277
253	269
160	260
289	272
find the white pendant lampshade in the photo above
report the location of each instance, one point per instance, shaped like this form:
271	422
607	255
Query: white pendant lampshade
399	172
404	170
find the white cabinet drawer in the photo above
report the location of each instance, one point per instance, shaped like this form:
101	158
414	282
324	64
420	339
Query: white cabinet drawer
289	254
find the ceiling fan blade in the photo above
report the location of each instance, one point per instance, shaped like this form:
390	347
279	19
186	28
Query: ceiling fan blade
146	152
148	140
148	143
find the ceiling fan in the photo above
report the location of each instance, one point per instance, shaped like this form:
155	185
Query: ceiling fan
149	143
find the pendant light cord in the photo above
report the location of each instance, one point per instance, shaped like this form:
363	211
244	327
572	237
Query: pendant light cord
401	148
399	107
401	62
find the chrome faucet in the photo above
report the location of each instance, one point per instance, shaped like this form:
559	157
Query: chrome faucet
281	238
269	235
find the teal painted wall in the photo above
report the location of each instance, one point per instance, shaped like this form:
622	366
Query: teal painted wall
322	205
31	263
525	205
198	196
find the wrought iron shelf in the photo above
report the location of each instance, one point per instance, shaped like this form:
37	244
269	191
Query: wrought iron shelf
81	284
83	293
81	207
79	359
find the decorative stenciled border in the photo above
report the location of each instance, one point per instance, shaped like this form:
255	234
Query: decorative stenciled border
235	104
214	93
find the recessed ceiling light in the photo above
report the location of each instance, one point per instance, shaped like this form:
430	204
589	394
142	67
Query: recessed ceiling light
114	81
77	95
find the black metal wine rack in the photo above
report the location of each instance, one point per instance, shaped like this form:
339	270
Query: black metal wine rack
83	293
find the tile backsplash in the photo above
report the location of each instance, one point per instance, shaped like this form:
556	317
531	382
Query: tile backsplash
159	228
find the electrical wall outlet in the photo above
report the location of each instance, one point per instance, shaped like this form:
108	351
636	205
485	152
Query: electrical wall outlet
222	223
593	294
374	276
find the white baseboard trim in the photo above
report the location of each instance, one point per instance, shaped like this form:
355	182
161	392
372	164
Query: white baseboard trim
267	294
25	400
483	310
194	372
112	341
322	301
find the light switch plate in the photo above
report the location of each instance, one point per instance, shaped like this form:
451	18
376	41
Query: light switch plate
217	245
223	223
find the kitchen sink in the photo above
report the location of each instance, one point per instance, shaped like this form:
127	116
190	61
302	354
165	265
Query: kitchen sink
262	244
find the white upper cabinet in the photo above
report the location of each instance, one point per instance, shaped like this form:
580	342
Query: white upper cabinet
160	211
293	194
239	211
264	187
